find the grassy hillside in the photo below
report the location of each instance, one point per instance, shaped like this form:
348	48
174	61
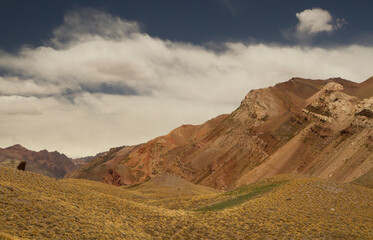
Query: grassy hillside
37	207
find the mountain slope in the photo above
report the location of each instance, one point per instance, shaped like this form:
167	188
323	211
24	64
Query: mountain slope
33	206
335	143
52	164
315	127
365	180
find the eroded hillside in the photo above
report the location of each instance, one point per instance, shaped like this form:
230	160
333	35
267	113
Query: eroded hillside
320	128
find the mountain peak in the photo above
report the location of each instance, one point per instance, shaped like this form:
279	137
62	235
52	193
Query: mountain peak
17	147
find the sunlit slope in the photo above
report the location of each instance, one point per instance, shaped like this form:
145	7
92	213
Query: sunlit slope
37	207
169	185
34	206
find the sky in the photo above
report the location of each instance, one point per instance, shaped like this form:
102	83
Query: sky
83	76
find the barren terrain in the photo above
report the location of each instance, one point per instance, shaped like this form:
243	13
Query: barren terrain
33	206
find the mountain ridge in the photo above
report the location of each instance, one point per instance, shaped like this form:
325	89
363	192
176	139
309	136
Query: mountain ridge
221	152
52	164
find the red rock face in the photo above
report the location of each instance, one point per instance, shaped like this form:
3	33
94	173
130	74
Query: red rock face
113	178
294	126
53	164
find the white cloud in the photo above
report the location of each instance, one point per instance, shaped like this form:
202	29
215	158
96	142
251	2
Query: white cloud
316	20
25	87
101	83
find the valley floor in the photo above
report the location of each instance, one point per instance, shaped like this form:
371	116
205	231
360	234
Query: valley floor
33	206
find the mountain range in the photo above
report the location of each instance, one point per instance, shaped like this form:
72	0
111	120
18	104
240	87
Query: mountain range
52	164
319	128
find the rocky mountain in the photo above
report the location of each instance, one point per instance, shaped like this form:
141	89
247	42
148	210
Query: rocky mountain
52	164
320	128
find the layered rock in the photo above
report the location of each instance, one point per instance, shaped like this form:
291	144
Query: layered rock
336	140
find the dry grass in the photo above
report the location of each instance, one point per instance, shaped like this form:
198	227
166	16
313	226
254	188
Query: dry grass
37	207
